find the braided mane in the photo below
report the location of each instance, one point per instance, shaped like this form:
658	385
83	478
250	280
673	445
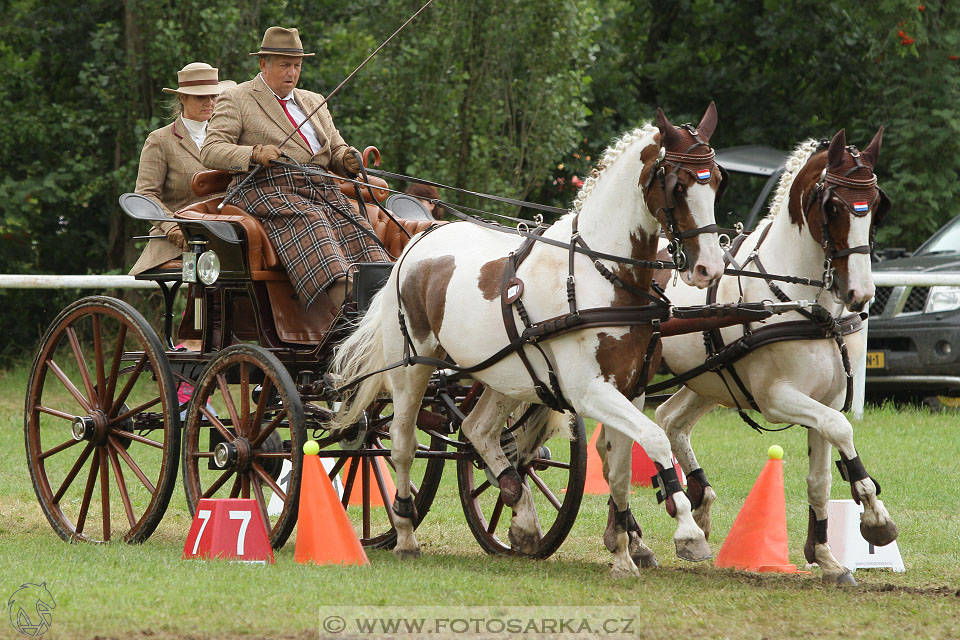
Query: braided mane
610	156
794	163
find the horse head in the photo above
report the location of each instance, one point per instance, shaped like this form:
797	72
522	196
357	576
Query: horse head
837	196
681	182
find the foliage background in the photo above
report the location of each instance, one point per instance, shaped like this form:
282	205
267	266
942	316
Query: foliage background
513	97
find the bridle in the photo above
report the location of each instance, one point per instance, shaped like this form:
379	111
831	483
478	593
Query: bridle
666	172
858	196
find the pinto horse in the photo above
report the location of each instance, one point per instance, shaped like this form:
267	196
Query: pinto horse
462	291
820	229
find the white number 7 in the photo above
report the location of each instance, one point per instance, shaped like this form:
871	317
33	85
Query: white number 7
203	514
245	516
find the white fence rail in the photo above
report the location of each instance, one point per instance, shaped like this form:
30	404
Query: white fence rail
32	281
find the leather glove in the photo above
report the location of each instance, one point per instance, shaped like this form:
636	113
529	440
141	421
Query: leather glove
175	236
351	161
265	154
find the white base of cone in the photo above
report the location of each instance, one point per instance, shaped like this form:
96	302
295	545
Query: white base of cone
849	547
275	506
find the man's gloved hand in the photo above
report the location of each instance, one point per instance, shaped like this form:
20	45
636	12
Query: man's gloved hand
175	236
351	161
265	154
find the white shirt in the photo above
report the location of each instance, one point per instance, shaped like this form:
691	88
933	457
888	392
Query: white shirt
299	116
196	129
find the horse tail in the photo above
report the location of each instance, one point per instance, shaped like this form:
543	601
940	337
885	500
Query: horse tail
360	355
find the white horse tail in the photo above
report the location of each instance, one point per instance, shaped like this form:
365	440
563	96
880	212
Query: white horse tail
360	355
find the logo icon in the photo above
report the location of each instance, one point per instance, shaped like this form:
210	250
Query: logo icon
29	609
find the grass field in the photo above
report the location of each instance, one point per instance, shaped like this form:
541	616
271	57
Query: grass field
147	591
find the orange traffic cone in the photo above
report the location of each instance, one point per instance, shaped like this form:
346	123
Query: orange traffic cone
643	469
595	483
324	532
356	494
758	539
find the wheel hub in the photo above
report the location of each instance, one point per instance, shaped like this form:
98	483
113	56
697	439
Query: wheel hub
233	455
93	427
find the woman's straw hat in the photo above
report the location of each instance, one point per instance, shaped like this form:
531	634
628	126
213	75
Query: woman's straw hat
199	79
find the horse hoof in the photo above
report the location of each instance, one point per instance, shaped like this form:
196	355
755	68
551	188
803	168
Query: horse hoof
693	550
701	515
622	571
879	535
406	554
646	561
523	544
846	579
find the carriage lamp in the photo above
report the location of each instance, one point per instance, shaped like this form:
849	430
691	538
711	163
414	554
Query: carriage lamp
942	299
190	257
208	267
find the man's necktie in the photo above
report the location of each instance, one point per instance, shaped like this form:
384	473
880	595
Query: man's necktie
283	104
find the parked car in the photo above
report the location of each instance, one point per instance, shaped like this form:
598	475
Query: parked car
913	337
759	168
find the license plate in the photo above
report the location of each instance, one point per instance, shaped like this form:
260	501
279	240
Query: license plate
875	360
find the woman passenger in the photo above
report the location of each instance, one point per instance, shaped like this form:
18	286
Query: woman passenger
171	155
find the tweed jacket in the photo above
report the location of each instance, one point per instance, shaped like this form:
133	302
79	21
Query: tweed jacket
167	163
249	114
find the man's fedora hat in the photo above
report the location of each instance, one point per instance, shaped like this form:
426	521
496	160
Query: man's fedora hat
278	41
199	79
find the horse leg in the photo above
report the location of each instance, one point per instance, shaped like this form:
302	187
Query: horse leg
783	403
816	548
483	428
677	416
603	402
623	536
408	384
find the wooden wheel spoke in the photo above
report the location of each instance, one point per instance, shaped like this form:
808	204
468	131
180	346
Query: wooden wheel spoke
261	472
231	407
245	398
67	481
115	366
55	413
87	494
382	488
483	487
337	466
98	358
215	421
263	435
544	489
261	502
82	365
132	412
137	471
348	485
120	433
495	516
555	464
265	391
235	489
128	387
69	385
57	449
245	486
122	488
326	441
212	489
105	492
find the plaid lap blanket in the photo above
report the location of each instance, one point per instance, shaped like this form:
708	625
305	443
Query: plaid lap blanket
315	241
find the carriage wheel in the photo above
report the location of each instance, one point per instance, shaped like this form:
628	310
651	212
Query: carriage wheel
244	421
98	359
556	480
367	483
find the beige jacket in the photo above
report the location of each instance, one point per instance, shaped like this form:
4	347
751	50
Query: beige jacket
249	114
167	164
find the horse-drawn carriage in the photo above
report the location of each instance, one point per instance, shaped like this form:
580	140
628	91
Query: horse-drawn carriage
113	408
572	320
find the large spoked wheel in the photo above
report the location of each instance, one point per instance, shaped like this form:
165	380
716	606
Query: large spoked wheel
555	476
358	462
244	437
101	423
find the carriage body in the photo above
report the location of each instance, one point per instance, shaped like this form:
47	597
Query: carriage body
114	408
